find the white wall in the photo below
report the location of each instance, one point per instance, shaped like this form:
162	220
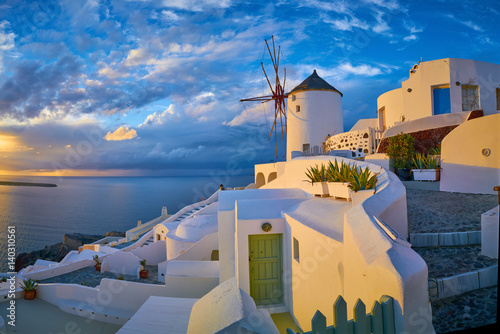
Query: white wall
363	139
317	278
202	250
485	75
375	265
153	253
443	73
192	269
389	105
227	222
245	228
464	167
122	295
427	123
121	263
320	115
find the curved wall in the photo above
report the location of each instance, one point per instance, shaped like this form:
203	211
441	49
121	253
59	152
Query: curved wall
465	168
320	115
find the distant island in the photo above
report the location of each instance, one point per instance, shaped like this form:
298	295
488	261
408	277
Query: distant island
27	184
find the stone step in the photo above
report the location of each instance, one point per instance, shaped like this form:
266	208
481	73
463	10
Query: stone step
445	239
462	283
448	261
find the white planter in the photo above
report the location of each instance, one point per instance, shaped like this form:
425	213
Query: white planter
339	190
426	174
361	195
317	189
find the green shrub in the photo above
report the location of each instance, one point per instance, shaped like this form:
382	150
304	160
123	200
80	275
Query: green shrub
400	149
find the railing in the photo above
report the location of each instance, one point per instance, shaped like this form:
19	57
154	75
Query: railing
143	228
380	320
314	151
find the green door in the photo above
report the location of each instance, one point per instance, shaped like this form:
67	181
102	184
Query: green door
266	268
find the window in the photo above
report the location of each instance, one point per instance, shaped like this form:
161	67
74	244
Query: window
305	147
296	254
470	98
498	98
297	108
293	97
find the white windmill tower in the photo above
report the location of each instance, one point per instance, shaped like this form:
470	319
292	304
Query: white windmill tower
314	111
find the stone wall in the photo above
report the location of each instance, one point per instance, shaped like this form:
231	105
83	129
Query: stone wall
427	139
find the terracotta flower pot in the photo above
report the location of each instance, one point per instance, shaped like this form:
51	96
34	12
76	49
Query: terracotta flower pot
29	295
143	273
98	267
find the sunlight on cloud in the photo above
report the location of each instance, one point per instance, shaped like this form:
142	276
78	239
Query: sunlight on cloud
255	114
122	133
8	143
158	118
111	73
138	57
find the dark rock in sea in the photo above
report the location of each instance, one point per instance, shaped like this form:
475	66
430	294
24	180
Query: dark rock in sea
75	240
58	251
115	234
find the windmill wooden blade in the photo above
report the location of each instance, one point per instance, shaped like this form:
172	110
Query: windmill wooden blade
278	95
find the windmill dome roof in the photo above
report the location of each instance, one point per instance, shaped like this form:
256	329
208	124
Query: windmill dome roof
314	82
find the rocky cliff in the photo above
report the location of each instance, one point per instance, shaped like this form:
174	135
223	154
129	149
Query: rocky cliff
58	251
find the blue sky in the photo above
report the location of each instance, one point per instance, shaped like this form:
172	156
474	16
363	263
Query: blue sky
143	87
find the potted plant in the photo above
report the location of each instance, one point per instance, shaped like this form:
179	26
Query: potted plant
337	178
29	287
97	262
400	149
317	178
426	167
361	182
436	152
143	273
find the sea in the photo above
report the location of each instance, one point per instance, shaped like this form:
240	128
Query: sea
93	205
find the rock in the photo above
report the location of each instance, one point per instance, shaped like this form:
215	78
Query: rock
75	240
58	251
115	234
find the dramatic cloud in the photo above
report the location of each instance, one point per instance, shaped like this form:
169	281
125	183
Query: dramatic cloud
122	133
79	79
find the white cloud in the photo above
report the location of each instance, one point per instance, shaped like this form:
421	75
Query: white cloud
468	23
158	118
391	5
364	69
338	6
122	133
201	105
138	57
347	24
255	114
179	152
111	73
7	41
197	5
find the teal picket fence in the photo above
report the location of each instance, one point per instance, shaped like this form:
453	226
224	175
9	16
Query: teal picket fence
379	320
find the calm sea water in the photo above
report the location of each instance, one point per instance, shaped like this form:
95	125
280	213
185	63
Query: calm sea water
93	205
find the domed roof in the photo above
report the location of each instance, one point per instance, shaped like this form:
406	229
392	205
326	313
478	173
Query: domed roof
314	82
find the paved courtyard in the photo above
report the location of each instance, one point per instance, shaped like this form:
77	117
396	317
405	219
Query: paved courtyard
91	277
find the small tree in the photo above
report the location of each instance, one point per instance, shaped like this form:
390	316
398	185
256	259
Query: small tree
400	149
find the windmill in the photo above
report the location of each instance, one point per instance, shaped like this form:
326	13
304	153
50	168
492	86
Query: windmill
278	96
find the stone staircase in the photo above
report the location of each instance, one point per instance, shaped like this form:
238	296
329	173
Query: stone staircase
189	213
445	230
